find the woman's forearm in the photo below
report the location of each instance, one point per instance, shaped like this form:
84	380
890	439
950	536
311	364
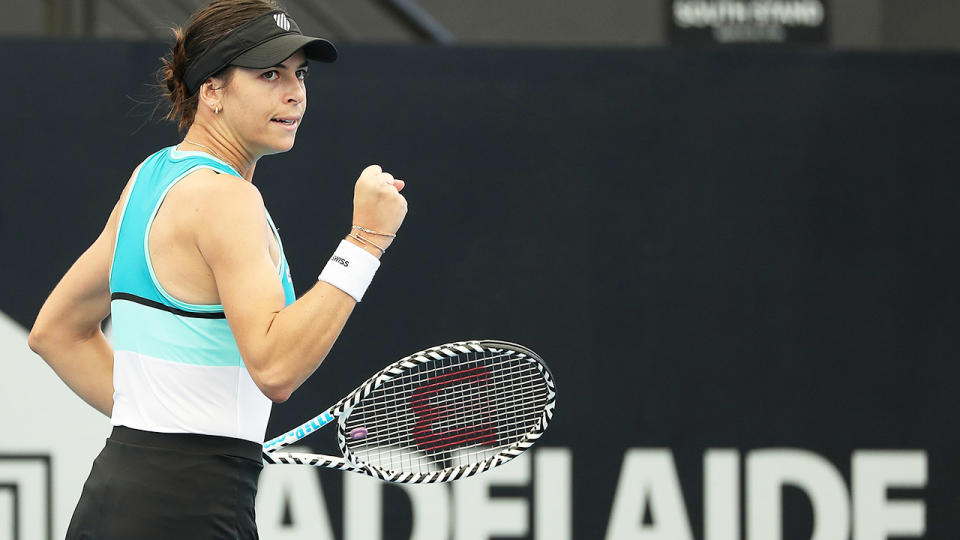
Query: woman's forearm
85	365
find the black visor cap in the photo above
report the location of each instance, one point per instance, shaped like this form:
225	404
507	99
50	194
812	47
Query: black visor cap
263	42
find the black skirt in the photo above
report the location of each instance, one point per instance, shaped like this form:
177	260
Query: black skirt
147	485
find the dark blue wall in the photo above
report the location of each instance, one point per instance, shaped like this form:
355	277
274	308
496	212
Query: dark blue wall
737	249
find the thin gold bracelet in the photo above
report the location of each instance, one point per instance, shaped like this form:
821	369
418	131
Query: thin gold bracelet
370	231
366	241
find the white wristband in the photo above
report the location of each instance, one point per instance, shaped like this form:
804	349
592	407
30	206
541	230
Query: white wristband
351	269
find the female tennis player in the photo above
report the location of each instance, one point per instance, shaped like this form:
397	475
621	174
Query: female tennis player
206	329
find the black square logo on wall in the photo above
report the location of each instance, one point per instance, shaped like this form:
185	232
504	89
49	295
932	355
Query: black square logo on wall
719	22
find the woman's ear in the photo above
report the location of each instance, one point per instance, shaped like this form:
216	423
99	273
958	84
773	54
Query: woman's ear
211	91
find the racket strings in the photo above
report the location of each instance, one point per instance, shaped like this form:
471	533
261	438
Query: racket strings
386	455
389	457
481	410
459	406
488	415
448	411
399	394
481	429
465	406
465	411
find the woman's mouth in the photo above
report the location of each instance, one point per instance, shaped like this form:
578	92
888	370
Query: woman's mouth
287	122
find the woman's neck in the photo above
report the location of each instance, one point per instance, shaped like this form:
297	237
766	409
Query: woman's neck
203	139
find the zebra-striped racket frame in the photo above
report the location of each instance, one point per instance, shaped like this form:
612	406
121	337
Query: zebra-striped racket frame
341	410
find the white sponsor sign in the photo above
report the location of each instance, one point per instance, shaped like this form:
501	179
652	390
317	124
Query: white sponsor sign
745	21
648	481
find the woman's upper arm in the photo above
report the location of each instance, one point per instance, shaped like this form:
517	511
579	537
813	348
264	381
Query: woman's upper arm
231	237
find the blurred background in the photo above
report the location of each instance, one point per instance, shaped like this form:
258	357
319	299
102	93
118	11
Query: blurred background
844	24
729	227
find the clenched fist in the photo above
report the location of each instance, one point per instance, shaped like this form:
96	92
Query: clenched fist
378	204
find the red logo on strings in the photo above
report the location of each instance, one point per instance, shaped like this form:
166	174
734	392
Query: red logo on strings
461	409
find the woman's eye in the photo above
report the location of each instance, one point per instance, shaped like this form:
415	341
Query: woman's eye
302	74
270	75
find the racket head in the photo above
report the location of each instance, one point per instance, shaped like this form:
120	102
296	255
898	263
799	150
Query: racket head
448	412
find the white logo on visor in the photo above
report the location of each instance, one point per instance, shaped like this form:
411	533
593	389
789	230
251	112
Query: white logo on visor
282	21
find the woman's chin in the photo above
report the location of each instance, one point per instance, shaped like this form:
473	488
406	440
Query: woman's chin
280	146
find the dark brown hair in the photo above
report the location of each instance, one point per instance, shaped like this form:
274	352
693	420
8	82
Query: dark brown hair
204	28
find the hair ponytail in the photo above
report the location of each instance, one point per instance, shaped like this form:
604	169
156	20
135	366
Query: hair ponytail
183	108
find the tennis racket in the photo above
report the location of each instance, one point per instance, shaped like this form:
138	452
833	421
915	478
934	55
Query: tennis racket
438	415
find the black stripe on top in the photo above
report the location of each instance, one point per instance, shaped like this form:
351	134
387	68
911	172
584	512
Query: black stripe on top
150	303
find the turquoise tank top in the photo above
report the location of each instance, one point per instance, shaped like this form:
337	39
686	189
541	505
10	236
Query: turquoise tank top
177	368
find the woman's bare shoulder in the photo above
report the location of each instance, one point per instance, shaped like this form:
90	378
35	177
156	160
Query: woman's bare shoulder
206	200
212	190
